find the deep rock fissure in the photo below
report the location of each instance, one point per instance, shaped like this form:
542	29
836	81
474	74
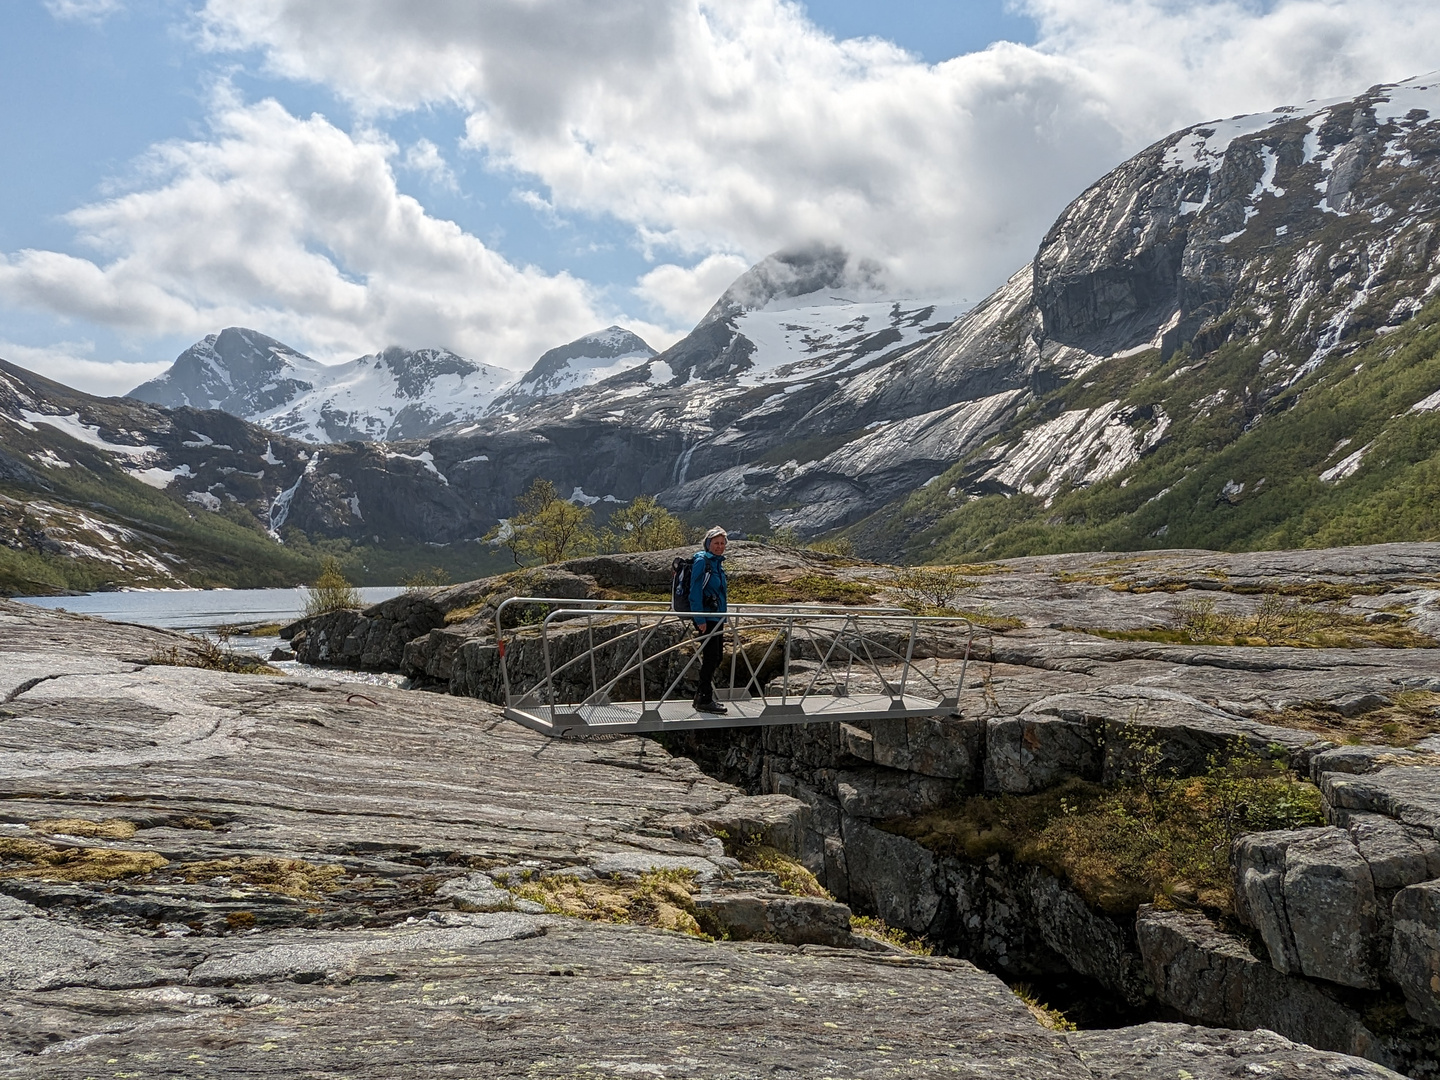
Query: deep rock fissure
1357	895
1021	956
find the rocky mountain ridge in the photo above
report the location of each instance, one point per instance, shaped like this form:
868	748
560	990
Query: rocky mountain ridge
389	396
114	492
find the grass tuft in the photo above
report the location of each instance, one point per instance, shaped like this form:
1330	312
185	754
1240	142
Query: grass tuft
1047	1015
659	898
877	929
40	860
288	877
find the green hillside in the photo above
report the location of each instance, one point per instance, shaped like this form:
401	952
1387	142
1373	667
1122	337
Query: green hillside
1187	492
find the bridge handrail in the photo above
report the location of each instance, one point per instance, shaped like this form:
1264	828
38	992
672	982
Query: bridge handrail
780	616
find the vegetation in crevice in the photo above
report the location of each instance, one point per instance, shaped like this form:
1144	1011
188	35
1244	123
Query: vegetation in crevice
24	858
1047	1015
207	654
747	588
1280	622
790	872
287	877
1408	717
1159	838
877	929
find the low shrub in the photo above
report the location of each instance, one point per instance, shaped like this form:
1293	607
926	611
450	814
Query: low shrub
331	591
930	590
203	653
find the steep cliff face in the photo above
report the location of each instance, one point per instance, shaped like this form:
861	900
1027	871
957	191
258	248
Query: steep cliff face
1319	220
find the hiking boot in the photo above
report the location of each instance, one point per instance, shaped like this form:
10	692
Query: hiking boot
711	706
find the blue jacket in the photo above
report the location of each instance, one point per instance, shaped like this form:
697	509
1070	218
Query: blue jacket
707	583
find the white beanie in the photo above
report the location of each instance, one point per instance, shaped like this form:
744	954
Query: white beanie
714	532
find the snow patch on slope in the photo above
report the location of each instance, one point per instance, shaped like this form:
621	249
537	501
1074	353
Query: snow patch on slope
1076	449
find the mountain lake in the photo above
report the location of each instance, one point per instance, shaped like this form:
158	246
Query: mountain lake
207	612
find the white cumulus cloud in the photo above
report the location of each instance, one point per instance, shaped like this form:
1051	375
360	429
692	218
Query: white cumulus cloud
741	127
73	364
93	11
714	133
425	157
684	294
295	228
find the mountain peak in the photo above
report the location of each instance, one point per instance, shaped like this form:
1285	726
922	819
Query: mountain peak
397	393
588	359
793	273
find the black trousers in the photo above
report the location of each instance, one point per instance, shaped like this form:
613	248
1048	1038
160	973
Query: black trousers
711	651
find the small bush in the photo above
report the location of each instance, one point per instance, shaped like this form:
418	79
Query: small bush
433	578
928	590
204	653
841	545
645	525
331	591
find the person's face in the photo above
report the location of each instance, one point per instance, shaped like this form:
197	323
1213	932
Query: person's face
717	545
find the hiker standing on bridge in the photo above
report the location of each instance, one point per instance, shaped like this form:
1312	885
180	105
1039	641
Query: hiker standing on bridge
708	595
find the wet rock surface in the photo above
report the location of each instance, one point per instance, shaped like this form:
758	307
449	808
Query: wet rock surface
205	872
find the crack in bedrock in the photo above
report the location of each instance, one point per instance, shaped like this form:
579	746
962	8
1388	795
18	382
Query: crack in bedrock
1008	918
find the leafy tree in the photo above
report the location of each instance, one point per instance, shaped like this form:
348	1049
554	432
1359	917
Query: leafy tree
645	525
545	527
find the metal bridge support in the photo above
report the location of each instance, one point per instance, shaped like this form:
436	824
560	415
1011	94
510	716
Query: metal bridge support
634	669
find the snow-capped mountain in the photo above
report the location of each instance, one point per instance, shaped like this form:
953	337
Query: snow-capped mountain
240	371
727	406
1218	340
584	361
394	394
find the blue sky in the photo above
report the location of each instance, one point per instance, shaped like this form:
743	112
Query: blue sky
586	196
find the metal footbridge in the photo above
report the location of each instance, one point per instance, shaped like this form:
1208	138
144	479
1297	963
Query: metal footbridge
579	667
